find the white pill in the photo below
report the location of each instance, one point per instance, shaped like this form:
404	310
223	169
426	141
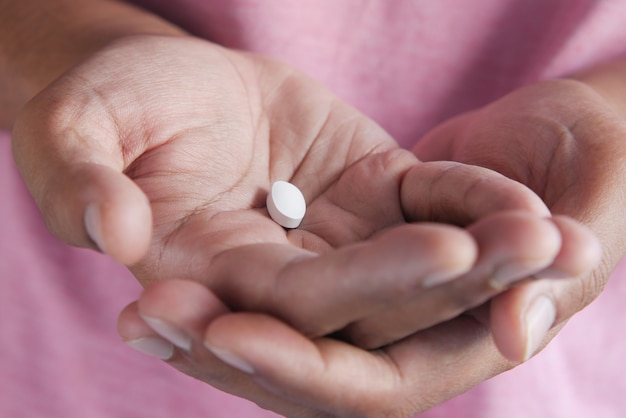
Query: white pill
286	205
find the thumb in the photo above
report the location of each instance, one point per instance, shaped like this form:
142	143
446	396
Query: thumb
521	320
93	205
525	318
83	195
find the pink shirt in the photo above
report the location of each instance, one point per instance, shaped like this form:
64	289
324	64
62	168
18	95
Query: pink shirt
408	64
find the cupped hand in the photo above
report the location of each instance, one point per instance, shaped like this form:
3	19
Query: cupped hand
563	140
160	150
560	139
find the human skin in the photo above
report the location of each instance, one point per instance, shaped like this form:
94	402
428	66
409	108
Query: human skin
120	154
562	138
124	130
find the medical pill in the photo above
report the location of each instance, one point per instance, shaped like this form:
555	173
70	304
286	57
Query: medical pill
286	205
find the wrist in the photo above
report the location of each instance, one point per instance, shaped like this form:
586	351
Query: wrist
40	40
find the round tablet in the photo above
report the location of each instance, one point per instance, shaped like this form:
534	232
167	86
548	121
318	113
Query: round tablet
286	205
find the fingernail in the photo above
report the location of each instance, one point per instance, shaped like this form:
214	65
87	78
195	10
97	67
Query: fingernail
94	226
439	278
171	333
230	359
508	274
153	346
539	319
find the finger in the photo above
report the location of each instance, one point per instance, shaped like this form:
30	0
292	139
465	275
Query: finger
138	335
184	304
342	380
520	321
319	294
93	205
79	186
523	319
262	359
461	194
580	252
327	375
511	246
176	313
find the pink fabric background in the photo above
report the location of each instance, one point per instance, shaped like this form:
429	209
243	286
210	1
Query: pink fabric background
409	65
